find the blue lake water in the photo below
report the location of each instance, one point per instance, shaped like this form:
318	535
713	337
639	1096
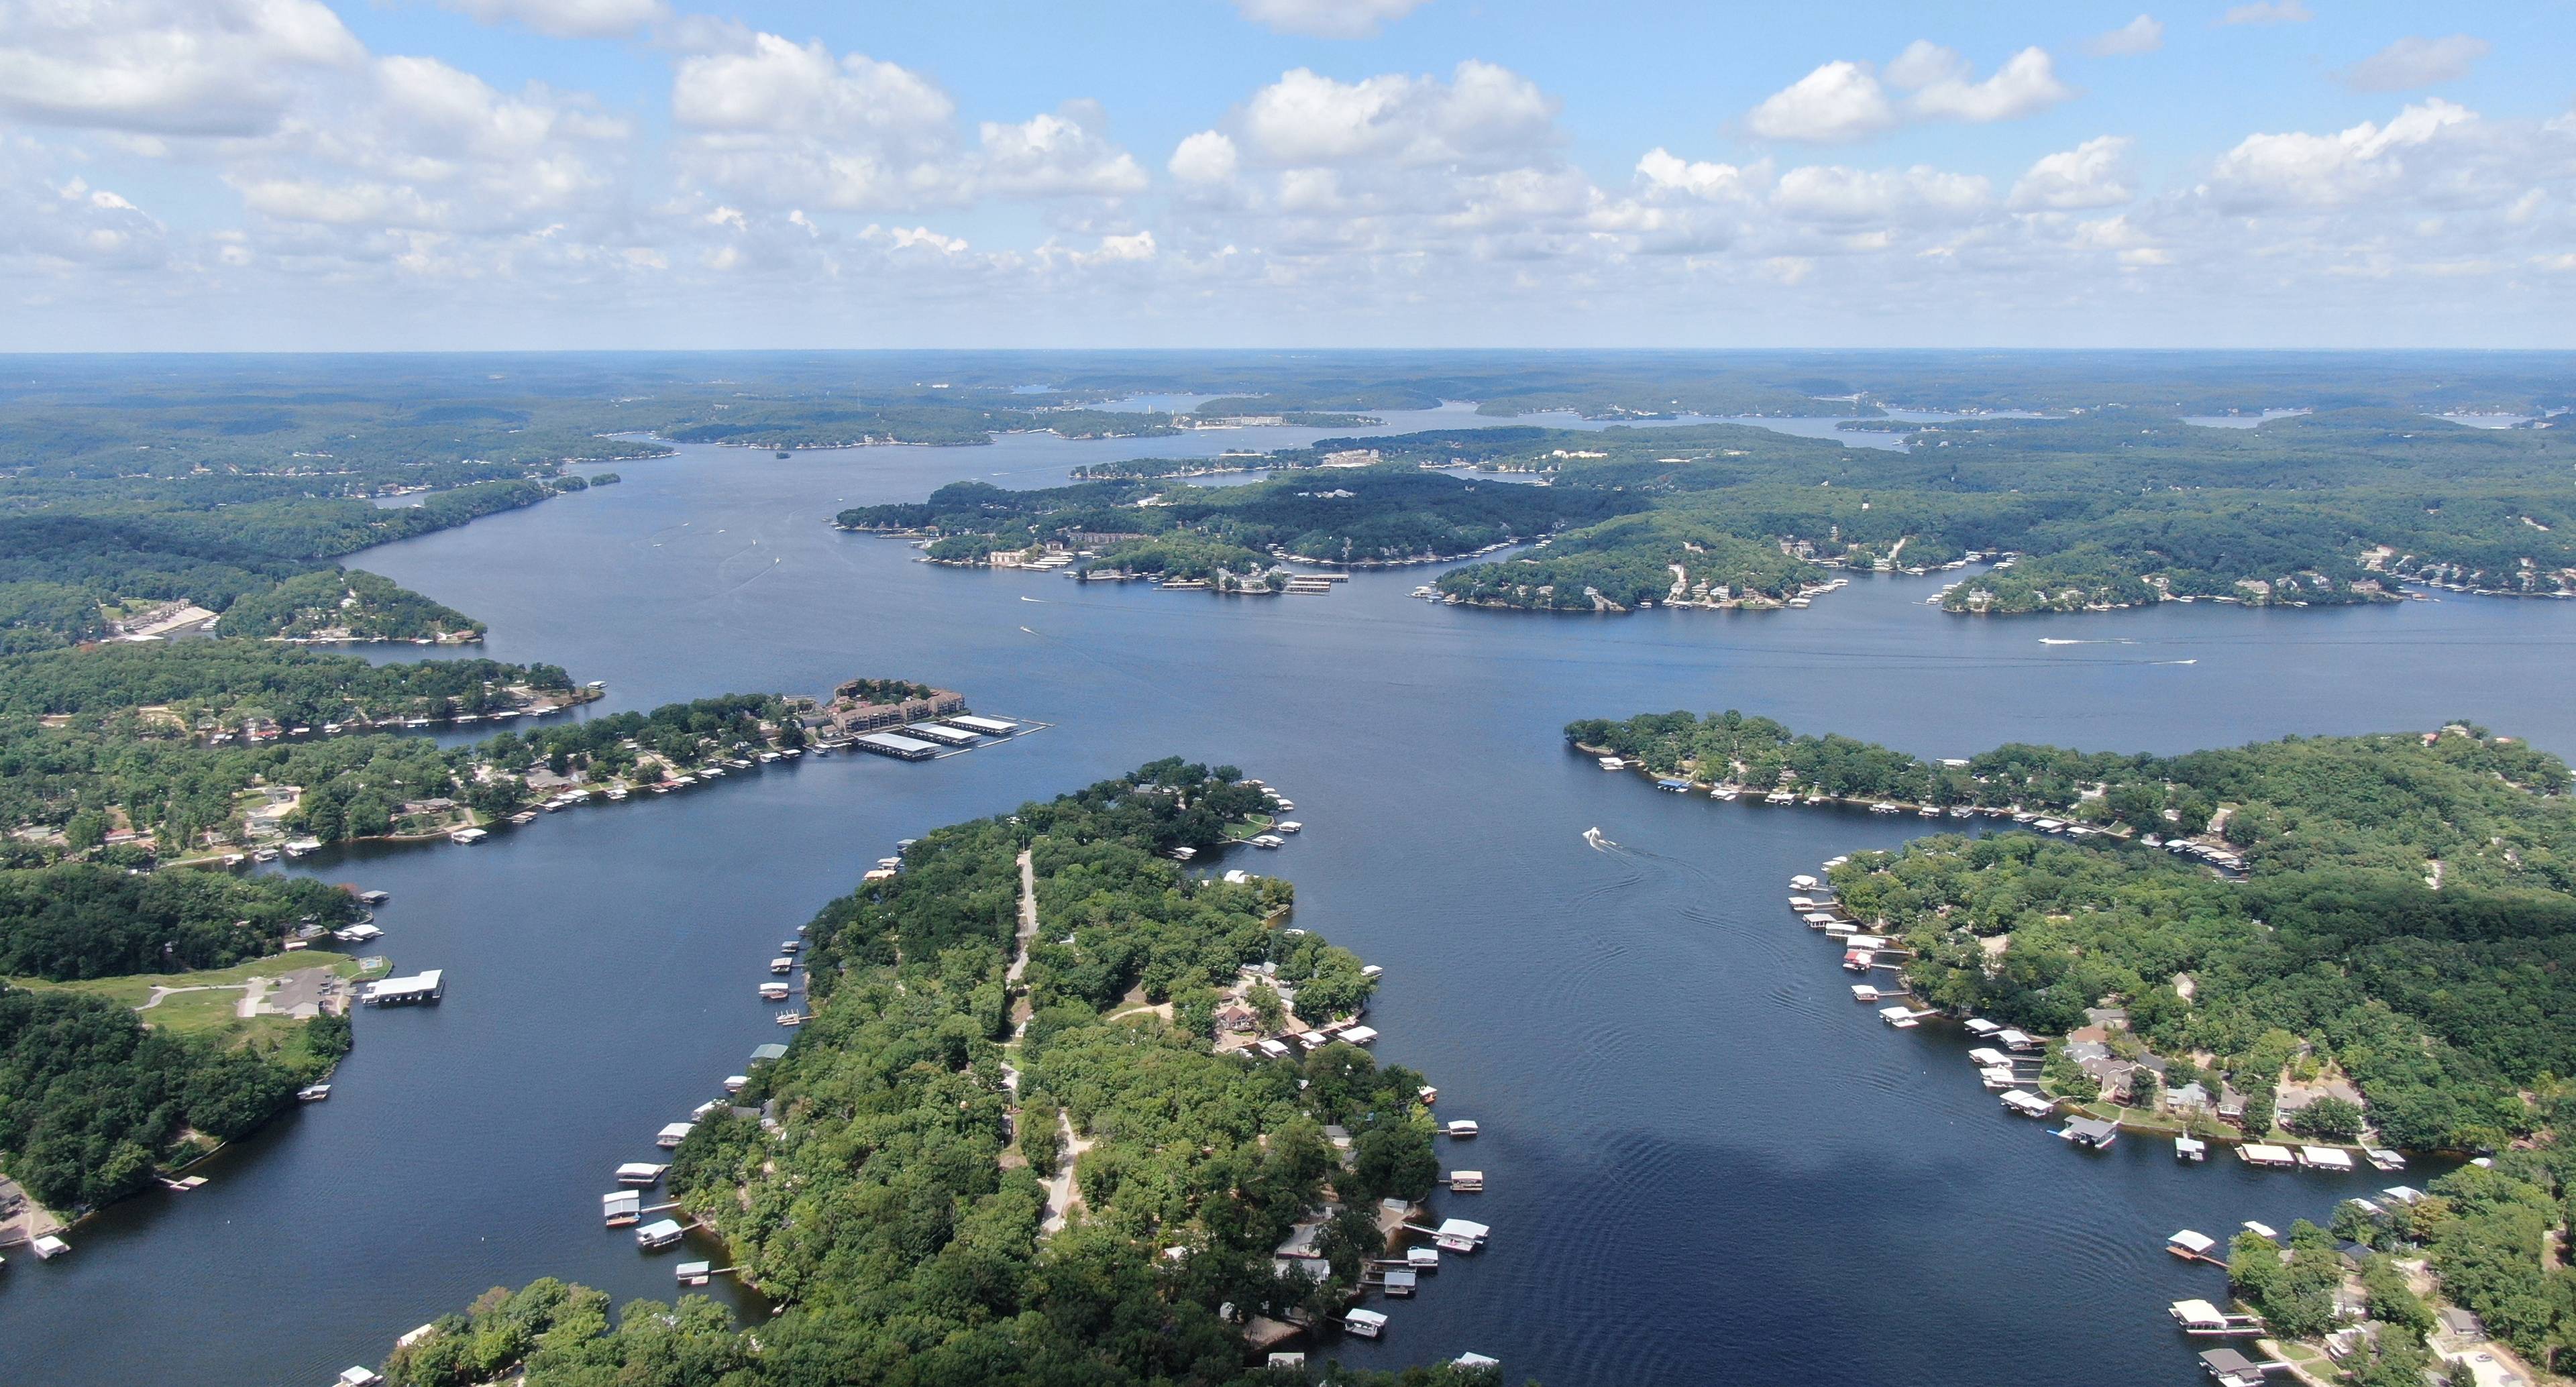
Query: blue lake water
1706	1163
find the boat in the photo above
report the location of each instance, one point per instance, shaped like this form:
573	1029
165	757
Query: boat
312	1093
791	1018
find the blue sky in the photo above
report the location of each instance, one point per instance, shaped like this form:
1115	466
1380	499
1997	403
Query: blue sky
257	174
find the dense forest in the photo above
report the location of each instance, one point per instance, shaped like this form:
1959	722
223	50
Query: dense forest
222	682
1357	515
92	1101
336	604
2408	915
66	783
894	1212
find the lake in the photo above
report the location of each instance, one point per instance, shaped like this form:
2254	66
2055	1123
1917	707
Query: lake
1706	1164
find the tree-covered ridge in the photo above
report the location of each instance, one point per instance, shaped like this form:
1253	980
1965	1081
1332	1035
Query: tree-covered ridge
221	683
336	604
65	788
2493	811
92	1101
1375	514
74	920
931	417
1633	561
65	552
893	1206
2408	916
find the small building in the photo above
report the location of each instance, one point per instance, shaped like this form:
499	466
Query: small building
2325	1158
990	727
899	747
673	1133
2190	1244
1461	1128
763	1054
1360	1035
2093	1133
2228	1368
2024	1103
621	1208
1400	1281
419	988
1460	1235
658	1234
941	733
359	1375
640	1173
2267	1155
1368	1324
2191	1149
1467	1181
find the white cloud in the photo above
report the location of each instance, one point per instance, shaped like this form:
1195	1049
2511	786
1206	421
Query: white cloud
1944	89
1839	101
1831	193
1484	115
2091	174
168	67
572	19
1843	100
1665	172
767	120
2269	12
2144	34
1060	155
1329	19
775	86
1206	157
2416	62
2299	169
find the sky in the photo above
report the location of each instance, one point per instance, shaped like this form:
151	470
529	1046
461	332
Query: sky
551	174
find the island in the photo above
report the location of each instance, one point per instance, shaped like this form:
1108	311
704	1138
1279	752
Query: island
1061	1108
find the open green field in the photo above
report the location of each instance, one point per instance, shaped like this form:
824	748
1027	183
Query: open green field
208	1004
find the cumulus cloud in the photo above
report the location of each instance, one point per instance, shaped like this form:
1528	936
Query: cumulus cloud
1482	115
1839	101
2140	35
2300	169
2269	12
1842	101
1944	87
165	67
767	119
1663	171
571	19
1328	19
1831	193
1206	157
2090	175
2416	62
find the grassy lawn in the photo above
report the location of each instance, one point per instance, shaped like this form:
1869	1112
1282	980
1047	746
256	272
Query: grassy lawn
1258	823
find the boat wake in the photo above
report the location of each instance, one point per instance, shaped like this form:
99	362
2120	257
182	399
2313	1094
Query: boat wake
1039	600
1599	841
2177	662
2066	640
